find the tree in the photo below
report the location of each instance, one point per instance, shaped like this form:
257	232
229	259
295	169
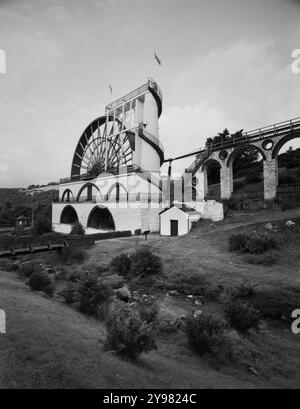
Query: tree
41	225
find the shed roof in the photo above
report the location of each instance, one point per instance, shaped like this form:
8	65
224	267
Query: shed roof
184	208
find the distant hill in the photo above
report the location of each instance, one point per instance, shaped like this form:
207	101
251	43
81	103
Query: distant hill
16	202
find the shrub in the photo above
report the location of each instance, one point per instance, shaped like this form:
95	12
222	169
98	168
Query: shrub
253	244
41	281
90	293
128	333
276	304
28	268
69	255
9	265
241	315
205	334
149	313
69	293
41	225
145	263
121	264
77	229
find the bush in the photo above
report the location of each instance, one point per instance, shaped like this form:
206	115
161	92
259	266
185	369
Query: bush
253	244
205	334
91	293
41	281
28	268
9	265
121	264
77	229
145	263
41	225
69	293
276	304
128	333
288	203
68	255
241	315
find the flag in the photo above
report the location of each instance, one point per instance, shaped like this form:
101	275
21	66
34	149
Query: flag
111	91
157	59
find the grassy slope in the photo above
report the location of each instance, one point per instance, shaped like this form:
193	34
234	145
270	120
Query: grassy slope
50	345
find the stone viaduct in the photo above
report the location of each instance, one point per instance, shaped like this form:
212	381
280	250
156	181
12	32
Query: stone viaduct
268	141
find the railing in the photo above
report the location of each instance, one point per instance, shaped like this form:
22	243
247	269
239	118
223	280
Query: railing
150	85
254	135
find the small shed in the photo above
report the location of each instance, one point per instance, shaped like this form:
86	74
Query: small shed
177	220
22	221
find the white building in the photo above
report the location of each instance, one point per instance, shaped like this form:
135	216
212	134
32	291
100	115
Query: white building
177	221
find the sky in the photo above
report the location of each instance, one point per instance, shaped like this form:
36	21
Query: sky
224	64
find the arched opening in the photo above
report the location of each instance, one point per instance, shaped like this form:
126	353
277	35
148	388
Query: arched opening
212	168
88	193
117	193
68	216
287	152
248	172
67	196
100	218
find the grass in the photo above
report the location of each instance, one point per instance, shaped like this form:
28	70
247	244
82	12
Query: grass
50	344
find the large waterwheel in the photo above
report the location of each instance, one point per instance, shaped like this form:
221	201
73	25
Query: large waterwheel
104	146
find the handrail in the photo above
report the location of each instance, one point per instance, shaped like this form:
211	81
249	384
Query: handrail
247	137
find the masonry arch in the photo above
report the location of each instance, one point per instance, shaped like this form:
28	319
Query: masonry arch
67	196
69	215
247	168
88	192
101	218
282	142
212	174
117	192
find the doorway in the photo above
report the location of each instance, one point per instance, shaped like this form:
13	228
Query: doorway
174	227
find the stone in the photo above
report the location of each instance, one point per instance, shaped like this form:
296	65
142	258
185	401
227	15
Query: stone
123	293
173	292
190	296
290	224
269	226
197	313
232	336
197	302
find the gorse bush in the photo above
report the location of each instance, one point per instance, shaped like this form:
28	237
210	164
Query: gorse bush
69	292
145	263
205	334
69	255
241	315
77	229
90	293
121	264
128	333
28	268
251	243
41	281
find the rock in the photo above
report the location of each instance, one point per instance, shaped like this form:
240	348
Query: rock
269	226
190	296
197	302
123	294
197	313
232	336
290	224
173	292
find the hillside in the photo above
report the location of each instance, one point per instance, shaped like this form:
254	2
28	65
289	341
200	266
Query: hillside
50	345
